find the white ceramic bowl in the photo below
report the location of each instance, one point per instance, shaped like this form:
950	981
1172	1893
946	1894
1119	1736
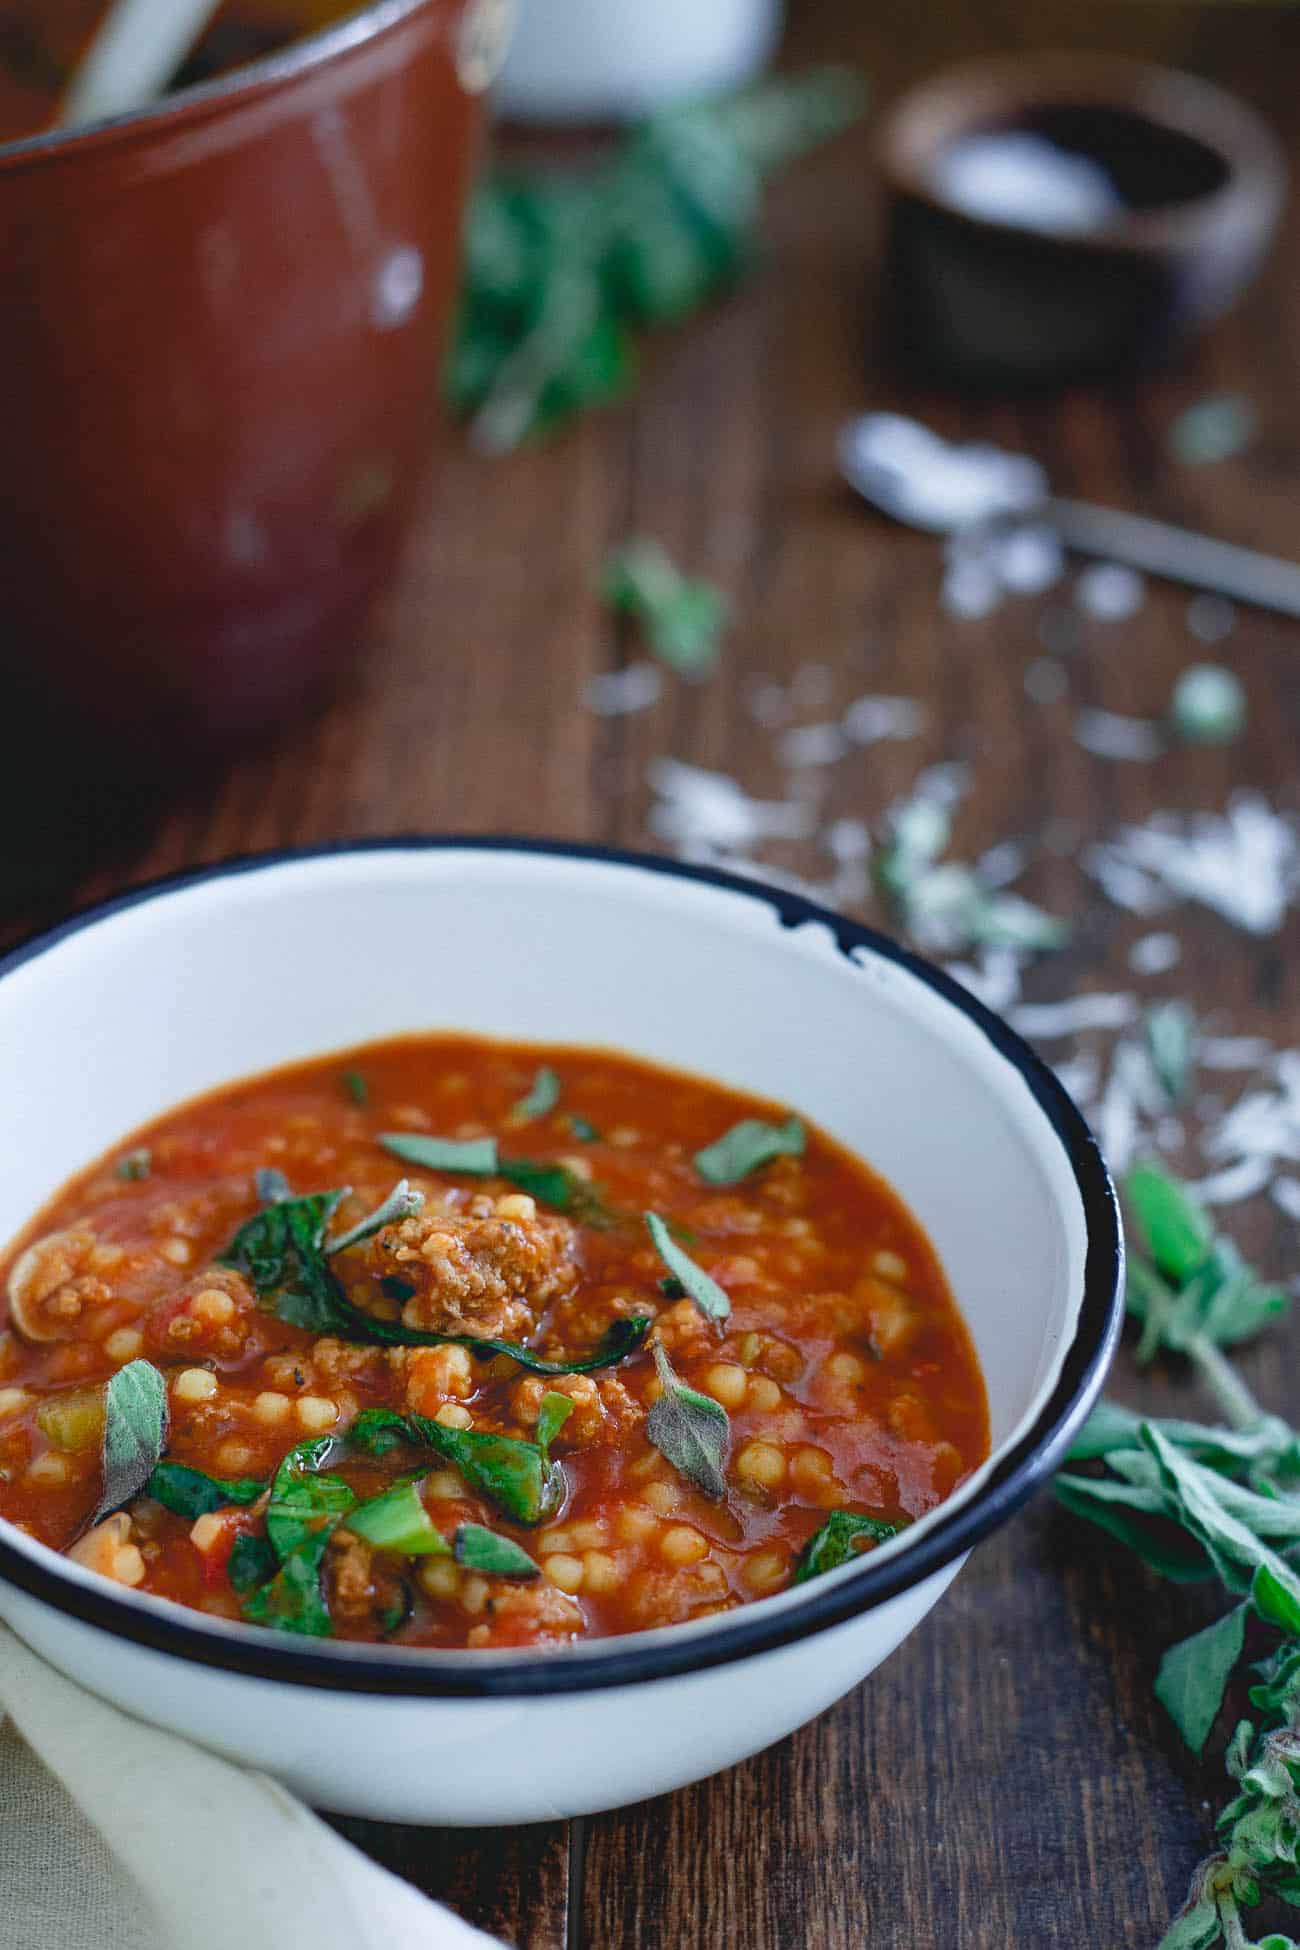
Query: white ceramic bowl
128	1010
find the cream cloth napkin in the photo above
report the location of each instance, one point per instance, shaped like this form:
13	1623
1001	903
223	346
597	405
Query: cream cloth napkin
115	1836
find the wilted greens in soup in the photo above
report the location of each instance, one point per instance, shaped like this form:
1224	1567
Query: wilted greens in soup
457	1343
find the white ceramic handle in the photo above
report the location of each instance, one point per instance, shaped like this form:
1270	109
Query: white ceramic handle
1162	550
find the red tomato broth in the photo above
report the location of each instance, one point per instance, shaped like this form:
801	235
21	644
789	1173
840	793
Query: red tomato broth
864	1386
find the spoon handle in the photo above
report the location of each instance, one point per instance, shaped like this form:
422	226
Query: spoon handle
1243	573
137	49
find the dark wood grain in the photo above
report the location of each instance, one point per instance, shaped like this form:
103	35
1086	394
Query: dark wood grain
512	1881
1006	1778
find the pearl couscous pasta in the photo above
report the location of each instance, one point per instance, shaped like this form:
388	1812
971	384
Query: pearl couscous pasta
456	1343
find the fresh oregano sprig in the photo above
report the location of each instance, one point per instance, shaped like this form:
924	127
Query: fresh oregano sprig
1202	1502
565	269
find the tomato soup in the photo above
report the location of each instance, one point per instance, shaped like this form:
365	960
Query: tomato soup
457	1343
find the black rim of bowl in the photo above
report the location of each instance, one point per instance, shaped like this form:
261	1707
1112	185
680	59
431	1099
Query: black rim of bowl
756	1628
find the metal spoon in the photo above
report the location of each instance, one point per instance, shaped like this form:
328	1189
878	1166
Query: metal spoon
912	475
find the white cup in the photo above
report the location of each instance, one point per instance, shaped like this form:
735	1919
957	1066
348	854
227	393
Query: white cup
604	60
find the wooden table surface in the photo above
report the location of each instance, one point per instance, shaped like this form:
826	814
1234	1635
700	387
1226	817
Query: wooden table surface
1006	1778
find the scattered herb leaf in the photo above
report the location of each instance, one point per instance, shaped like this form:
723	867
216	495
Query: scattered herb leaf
1208	706
356	1086
189	1493
135	1433
475	1157
708	1296
551	1183
134	1165
1170	1030
839	1541
1195	1501
682	621
1200	1294
402	1203
585	1132
1212	429
690	1430
943	904
671	1287
748	1145
1194	1675
478	1549
542	1097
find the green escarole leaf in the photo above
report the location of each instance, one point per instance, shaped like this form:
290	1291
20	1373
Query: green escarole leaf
690	1430
135	1433
379	1430
281	1251
708	1296
303	1501
355	1086
553	1413
251	1561
1194	1675
624	1337
843	1536
523	1483
398	1521
516	1476
748	1145
293	1601
305	1509
189	1493
478	1549
543	1096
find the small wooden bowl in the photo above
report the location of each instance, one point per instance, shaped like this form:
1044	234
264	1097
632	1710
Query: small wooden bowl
985	303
